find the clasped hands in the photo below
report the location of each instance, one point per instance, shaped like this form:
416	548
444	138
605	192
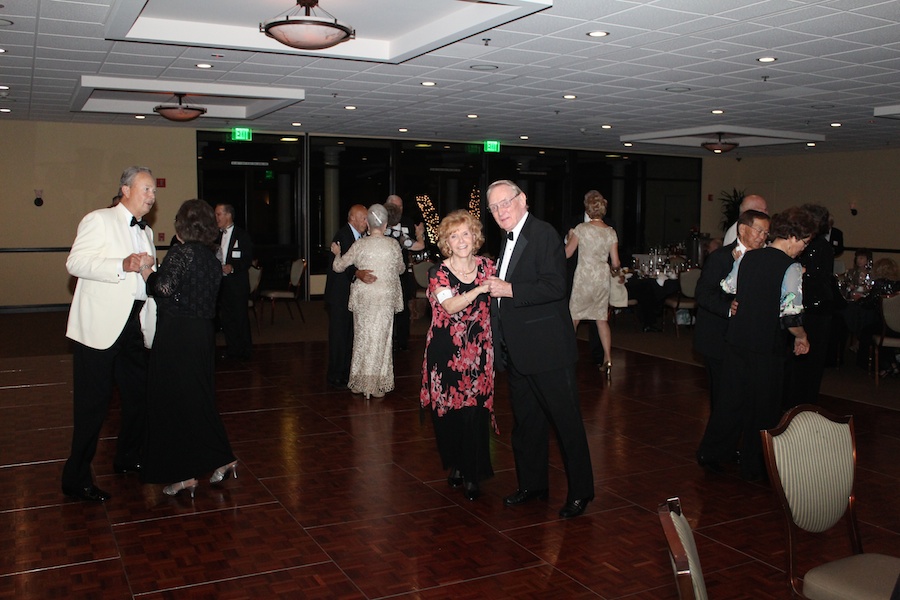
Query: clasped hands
137	262
499	288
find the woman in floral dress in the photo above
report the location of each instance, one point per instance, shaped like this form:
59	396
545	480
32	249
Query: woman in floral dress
458	372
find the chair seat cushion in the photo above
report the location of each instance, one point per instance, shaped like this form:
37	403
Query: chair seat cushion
686	303
278	294
889	342
857	577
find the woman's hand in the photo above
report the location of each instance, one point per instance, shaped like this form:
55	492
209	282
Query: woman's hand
335	248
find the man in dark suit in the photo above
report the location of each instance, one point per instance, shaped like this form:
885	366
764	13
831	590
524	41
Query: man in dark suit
836	237
337	296
411	239
236	254
534	342
714	306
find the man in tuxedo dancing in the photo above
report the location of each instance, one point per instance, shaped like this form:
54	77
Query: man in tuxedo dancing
112	247
534	341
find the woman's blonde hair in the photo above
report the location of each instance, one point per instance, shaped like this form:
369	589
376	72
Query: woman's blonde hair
453	222
595	204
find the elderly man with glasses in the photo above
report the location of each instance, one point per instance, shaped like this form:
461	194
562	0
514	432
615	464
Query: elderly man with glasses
534	341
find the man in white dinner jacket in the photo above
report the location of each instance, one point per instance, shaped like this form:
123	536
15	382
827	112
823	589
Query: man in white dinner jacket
112	247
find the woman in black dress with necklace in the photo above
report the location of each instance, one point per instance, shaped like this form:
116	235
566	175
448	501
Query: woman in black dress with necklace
458	371
185	435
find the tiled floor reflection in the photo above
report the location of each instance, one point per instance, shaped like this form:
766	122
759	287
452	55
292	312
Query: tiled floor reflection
339	497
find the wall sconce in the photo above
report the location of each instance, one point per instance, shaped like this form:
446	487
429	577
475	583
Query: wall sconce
38	197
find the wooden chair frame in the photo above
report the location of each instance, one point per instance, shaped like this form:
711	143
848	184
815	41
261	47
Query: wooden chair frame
684	577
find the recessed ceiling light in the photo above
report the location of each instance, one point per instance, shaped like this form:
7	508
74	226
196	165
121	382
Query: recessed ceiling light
290	139
296	124
597	34
542	152
6	23
341	143
423	145
140	117
606	127
678	89
5	110
570	96
403	130
767	59
446	146
2	50
628	144
484	67
835	124
472	116
428	83
810	144
350	107
717	111
523	137
203	66
4	87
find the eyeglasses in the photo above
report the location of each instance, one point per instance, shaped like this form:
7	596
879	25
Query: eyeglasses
494	208
765	232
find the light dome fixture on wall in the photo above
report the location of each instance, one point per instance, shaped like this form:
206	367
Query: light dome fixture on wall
307	31
719	147
179	112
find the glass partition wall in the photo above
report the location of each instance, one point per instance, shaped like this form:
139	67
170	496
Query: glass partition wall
292	194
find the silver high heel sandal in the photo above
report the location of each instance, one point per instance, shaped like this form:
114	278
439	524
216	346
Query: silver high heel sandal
222	473
176	488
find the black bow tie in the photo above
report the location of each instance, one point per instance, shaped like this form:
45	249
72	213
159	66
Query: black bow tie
509	236
134	221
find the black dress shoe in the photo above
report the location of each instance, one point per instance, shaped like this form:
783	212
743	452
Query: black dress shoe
471	490
574	508
713	466
523	496
90	493
455	479
121	469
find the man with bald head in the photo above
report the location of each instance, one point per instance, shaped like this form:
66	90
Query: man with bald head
751	202
337	296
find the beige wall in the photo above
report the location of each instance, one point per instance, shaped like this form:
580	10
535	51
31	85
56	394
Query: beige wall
78	167
870	179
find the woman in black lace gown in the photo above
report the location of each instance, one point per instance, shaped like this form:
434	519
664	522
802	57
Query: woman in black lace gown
185	435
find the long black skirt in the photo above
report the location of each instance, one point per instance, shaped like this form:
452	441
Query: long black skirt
185	435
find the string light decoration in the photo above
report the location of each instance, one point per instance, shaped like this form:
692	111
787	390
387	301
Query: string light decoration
475	202
430	215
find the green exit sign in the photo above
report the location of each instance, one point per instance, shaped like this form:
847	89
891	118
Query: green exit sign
241	134
491	146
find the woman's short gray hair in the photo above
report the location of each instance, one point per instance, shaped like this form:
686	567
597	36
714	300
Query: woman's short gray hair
377	217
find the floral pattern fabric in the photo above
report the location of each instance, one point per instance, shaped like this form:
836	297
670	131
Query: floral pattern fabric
458	370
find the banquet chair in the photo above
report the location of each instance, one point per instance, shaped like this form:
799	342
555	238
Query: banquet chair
890	321
811	461
420	272
684	298
291	294
255	274
682	551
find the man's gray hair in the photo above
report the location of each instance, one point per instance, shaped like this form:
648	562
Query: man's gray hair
130	173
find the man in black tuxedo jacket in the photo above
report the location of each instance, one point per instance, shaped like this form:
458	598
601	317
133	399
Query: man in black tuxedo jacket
236	254
714	306
836	237
337	296
534	342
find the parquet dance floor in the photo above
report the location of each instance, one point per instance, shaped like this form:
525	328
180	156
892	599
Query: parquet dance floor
338	497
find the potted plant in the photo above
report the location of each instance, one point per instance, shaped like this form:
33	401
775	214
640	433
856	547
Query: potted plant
731	203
